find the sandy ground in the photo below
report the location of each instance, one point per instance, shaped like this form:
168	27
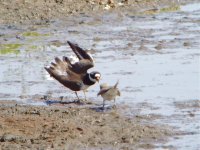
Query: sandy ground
70	126
43	11
38	127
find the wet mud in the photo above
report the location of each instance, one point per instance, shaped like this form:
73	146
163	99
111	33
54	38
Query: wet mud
43	11
31	127
153	52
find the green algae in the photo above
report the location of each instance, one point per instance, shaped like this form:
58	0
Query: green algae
33	34
9	49
162	10
33	48
170	9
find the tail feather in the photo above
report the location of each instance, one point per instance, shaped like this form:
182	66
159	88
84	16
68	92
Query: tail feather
58	68
60	65
53	64
64	79
54	72
61	68
118	93
66	59
115	86
58	61
48	69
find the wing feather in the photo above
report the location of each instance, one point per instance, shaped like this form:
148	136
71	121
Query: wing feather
80	53
85	60
63	79
102	91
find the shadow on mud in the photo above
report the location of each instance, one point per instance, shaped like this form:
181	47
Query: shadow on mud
52	102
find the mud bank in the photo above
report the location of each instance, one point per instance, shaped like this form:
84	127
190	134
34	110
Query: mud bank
161	86
43	11
37	127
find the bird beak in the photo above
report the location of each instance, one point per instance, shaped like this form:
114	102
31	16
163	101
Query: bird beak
98	78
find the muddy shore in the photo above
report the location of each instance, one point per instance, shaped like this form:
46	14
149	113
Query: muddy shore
75	126
37	127
42	11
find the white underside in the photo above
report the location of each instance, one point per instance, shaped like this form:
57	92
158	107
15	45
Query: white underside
85	87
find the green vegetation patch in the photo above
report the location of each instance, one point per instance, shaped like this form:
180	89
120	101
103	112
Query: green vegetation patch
162	10
31	48
9	49
33	34
170	9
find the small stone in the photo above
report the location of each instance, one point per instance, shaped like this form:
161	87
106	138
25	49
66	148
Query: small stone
186	44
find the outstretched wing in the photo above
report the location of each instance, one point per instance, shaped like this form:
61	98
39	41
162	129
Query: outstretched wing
85	60
80	53
102	91
59	71
113	90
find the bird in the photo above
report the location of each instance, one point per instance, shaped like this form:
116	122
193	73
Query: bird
108	92
74	75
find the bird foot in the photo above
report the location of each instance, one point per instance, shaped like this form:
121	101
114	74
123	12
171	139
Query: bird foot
114	107
85	100
61	98
77	101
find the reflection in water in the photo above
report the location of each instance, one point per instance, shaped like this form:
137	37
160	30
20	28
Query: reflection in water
156	62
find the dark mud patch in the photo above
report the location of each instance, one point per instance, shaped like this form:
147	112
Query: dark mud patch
43	12
188	104
163	53
30	127
190	109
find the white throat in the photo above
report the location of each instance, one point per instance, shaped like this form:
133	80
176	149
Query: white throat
91	79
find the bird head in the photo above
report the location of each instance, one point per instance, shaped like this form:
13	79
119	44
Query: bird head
104	85
95	76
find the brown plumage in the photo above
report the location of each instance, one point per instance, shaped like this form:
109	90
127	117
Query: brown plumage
108	92
74	76
85	60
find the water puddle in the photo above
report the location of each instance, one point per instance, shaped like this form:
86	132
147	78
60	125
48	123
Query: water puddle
156	62
191	7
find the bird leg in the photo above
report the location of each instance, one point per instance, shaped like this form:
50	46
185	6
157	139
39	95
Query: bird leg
61	98
114	104
77	96
85	96
103	104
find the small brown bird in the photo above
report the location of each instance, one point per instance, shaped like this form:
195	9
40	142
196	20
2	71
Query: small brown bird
74	75
108	92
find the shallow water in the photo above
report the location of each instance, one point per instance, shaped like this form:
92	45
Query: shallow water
155	58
